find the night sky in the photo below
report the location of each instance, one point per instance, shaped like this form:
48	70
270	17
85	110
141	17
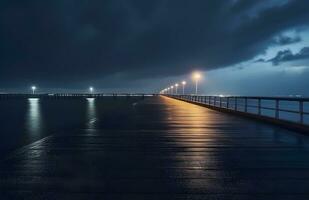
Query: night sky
242	47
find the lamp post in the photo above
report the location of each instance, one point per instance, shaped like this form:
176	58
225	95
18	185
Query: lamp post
176	87
172	87
196	77
183	86
33	88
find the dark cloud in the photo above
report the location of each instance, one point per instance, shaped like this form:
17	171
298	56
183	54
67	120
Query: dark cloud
285	40
70	41
287	55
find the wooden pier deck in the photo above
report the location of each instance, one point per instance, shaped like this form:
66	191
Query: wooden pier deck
169	150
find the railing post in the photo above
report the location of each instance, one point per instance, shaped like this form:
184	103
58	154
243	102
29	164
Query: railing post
277	109
301	112
235	103
259	106
227	102
246	104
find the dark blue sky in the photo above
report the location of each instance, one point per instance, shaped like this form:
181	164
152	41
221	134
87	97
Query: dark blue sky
243	47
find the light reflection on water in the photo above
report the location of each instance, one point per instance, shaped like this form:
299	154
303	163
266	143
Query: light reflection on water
91	113
34	127
34	123
24	121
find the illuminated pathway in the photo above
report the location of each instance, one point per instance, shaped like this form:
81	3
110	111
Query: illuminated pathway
165	149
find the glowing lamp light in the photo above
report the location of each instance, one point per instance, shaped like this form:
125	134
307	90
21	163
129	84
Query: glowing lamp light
33	88
183	86
176	86
196	76
91	89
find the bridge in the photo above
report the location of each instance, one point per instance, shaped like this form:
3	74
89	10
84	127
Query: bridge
167	148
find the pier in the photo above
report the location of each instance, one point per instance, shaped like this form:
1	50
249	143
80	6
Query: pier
170	149
289	112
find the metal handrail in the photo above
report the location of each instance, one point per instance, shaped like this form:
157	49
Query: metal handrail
236	102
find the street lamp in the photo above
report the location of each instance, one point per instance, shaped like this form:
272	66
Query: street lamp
33	89
183	86
196	77
91	89
176	85
172	87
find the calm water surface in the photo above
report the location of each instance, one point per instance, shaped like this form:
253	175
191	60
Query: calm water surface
26	121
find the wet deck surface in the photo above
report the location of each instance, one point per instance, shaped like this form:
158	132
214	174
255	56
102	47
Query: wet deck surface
168	150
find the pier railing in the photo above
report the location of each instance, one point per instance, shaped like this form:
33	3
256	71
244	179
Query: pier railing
285	110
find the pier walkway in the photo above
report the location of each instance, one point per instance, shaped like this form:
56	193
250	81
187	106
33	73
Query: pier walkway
166	149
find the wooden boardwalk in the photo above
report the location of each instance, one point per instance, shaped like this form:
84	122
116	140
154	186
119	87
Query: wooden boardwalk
169	150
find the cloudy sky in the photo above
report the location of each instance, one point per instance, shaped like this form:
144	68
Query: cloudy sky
242	47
